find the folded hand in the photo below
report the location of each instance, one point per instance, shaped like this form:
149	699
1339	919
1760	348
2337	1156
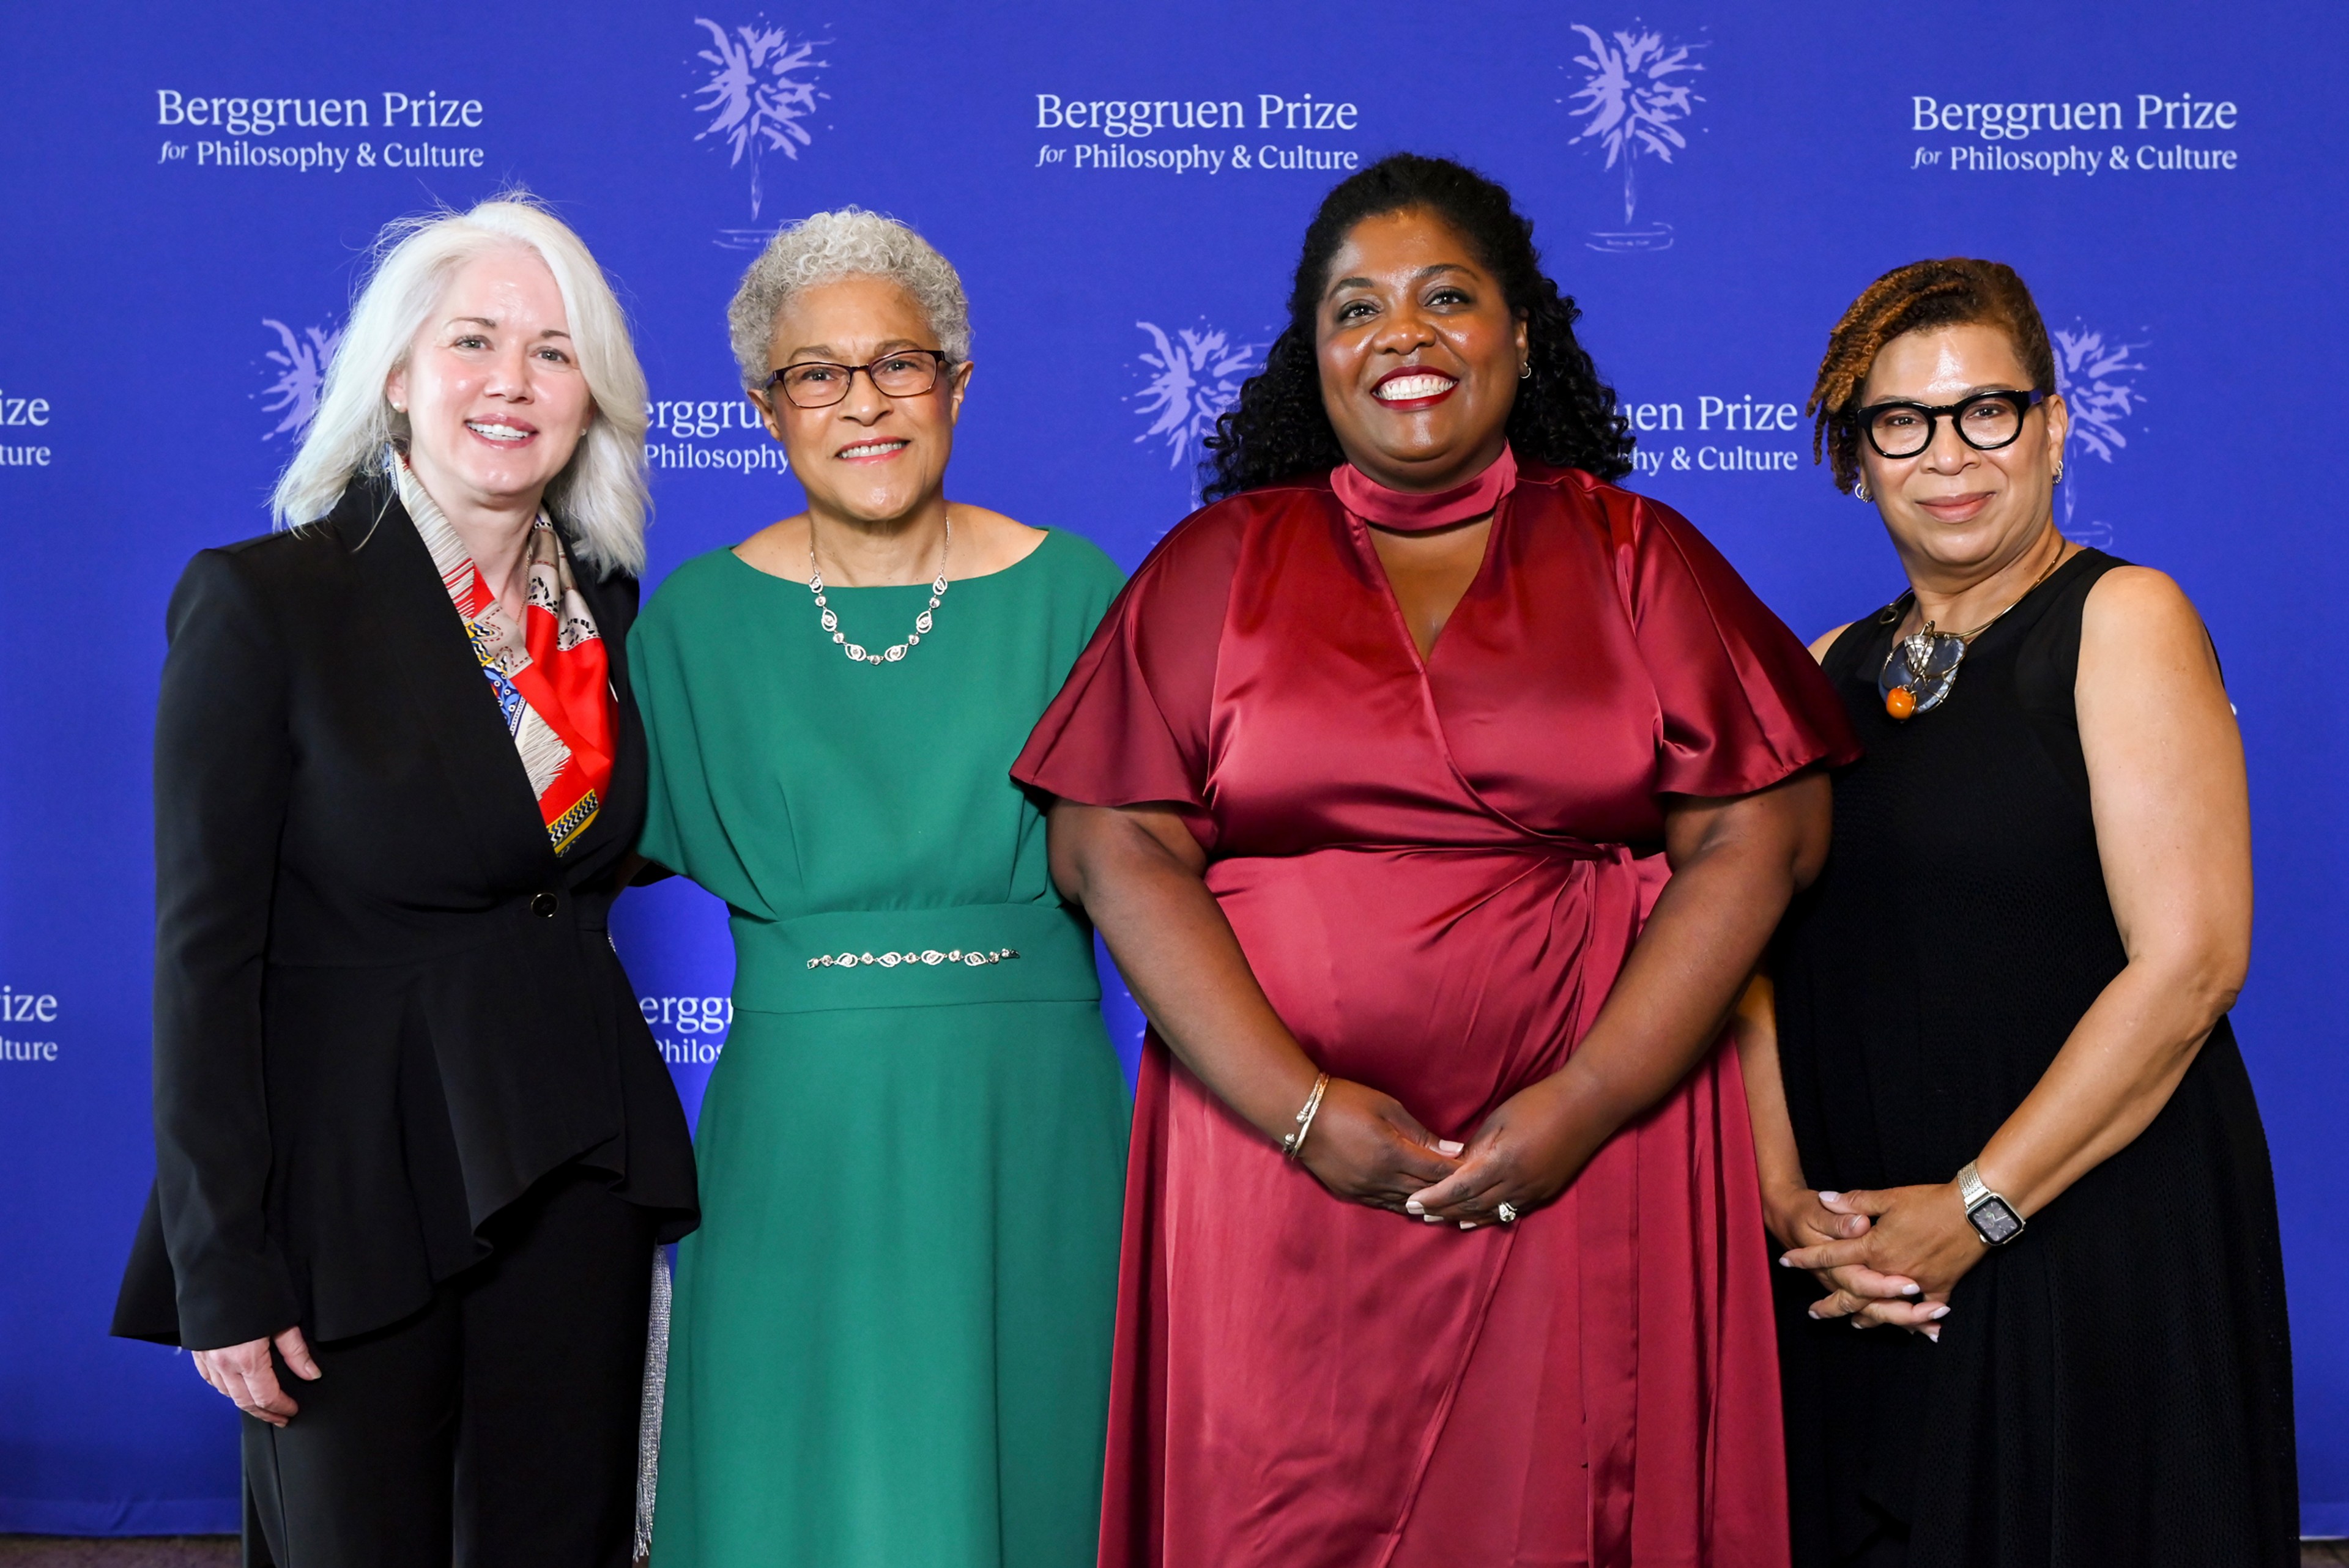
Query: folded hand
1919	1234
1802	1218
1524	1155
1364	1146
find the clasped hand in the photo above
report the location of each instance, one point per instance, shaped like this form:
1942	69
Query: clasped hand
1364	1146
1891	1256
249	1377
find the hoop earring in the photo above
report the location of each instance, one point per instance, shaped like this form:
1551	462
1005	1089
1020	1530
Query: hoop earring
2059	473
1525	371
1859	490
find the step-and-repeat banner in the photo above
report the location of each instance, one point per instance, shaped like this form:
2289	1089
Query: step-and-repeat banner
187	193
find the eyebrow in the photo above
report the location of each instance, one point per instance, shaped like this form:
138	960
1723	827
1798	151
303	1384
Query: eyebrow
1420	276
888	346
487	321
1919	398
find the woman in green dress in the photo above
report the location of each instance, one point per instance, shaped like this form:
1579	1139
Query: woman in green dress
891	1336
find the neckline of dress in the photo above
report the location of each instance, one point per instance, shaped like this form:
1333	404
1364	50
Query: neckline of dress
831	587
1886	618
1357	529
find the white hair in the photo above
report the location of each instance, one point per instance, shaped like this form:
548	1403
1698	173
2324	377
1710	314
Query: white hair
825	247
601	493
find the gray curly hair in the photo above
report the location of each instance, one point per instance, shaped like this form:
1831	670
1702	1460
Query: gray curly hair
825	247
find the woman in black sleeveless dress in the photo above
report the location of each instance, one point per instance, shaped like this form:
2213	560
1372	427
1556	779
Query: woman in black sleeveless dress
2015	1140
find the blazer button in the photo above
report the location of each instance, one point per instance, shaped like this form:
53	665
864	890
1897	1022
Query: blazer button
543	905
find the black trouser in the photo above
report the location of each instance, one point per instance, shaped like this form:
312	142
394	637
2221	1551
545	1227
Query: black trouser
496	1429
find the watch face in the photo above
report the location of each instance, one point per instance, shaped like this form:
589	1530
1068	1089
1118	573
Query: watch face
1995	1222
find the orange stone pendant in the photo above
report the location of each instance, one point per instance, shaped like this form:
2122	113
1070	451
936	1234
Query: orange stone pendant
1900	702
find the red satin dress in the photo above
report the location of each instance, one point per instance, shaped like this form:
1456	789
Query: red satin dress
1435	870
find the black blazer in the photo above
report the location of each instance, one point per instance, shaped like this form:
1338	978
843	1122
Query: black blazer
384	1007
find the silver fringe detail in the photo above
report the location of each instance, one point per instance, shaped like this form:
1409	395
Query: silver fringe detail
648	1421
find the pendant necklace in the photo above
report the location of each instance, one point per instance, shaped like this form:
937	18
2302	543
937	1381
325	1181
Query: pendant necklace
857	651
1928	658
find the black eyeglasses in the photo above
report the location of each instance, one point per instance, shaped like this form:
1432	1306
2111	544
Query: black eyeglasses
816	383
1985	421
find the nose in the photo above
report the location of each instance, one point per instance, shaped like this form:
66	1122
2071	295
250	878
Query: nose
1402	330
510	373
865	402
1947	452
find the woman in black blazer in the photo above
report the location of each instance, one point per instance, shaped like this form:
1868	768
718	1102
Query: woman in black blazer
414	1143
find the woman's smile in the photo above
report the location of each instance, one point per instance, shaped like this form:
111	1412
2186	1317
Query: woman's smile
1957	508
871	451
1411	386
504	432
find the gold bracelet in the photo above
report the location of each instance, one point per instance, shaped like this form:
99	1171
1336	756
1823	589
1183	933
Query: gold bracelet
1294	1143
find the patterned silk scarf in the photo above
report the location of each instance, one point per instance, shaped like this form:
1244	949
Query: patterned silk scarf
550	673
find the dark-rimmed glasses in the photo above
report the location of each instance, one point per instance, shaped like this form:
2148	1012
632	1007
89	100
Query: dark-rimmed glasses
1985	421
817	384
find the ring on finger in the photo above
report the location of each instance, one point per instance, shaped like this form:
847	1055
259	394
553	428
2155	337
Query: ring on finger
1506	1211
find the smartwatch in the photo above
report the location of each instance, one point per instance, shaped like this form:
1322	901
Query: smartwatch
1992	1216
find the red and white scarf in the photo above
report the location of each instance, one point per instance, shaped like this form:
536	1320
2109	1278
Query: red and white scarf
550	673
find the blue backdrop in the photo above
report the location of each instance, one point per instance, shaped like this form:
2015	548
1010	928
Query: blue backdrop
188	191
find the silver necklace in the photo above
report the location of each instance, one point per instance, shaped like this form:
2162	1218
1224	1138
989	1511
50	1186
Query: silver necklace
857	651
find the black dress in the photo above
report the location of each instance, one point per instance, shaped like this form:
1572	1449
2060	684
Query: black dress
2114	1385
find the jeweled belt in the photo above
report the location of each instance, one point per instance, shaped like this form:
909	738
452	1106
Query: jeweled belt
927	955
913	956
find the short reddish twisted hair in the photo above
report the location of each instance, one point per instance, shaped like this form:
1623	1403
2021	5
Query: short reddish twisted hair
1918	297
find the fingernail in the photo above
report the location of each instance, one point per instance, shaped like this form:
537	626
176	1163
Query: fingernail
1467	1224
1812	1313
1939	1312
1829	1197
1414	1206
1785	1262
1431	1219
1445	1146
1933	1332
1912	1290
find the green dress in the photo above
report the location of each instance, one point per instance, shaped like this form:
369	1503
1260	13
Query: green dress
890	1343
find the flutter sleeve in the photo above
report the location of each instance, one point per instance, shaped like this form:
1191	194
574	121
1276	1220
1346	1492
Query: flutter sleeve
679	664
1132	723
1743	702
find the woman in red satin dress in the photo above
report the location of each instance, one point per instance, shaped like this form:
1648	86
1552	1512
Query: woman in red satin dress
1507	1304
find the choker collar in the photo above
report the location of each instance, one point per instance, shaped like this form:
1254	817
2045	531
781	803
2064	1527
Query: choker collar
1405	513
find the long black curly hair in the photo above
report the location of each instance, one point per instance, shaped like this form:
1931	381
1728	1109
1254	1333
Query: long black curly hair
1563	414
